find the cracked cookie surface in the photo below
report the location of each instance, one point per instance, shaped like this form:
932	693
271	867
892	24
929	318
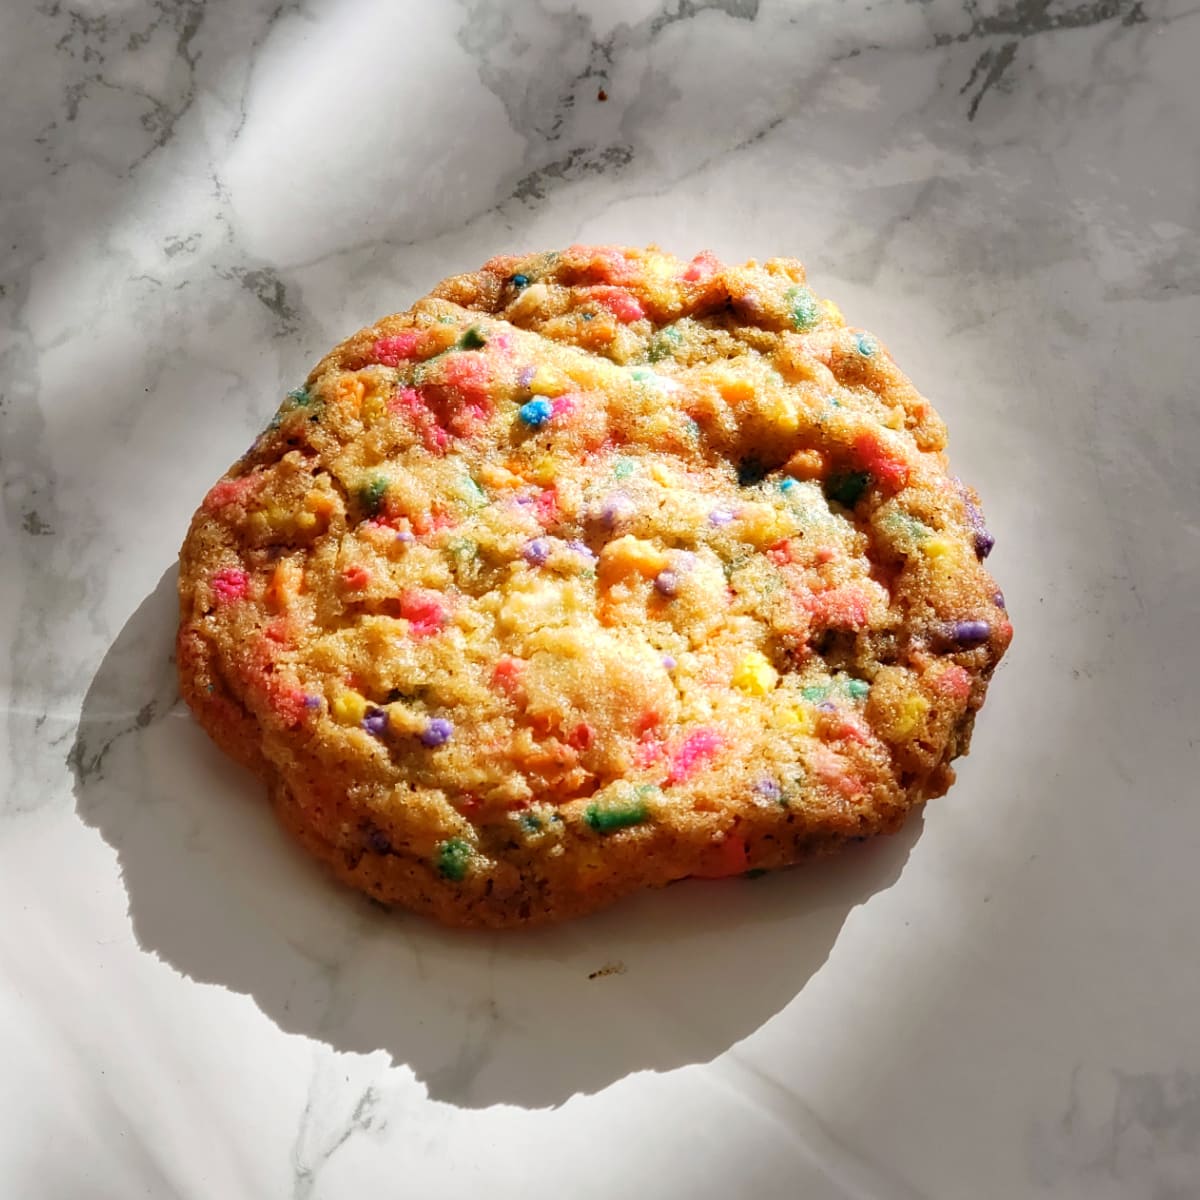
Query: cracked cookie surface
594	570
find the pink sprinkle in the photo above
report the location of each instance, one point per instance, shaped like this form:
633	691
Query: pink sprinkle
645	753
229	491
545	507
230	583
696	750
704	266
831	771
620	303
954	682
844	607
564	404
391	351
423	611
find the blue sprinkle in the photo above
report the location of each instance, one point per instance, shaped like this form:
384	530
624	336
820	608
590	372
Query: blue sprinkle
535	413
786	485
867	345
437	733
519	281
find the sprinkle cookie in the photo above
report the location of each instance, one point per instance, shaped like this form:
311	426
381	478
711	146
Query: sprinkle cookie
592	571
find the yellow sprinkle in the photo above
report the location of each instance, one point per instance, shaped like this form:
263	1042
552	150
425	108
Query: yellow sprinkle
546	382
780	411
754	674
544	470
349	708
629	555
937	547
306	521
832	311
909	714
799	719
662	474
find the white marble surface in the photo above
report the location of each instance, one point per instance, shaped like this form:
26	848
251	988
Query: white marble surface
199	198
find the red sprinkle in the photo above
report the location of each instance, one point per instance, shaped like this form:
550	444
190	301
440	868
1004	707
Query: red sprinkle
230	583
507	673
696	750
391	351
888	467
423	611
356	576
582	736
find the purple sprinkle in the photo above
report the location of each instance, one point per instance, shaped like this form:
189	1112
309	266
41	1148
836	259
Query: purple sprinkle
375	722
668	662
666	583
998	600
379	841
312	701
581	548
827	706
526	376
616	508
720	516
984	542
768	789
437	732
536	552
963	635
405	538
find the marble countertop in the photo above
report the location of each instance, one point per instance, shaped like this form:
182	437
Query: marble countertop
197	199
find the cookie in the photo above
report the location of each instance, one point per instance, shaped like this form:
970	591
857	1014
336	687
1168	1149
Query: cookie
592	571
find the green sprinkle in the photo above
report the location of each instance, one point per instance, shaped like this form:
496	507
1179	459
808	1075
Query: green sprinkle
530	822
472	340
691	429
463	548
470	491
664	344
371	495
617	814
806	312
301	397
815	694
755	873
624	468
642	375
906	523
857	689
453	858
847	488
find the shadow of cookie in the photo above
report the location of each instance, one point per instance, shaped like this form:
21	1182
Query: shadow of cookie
217	890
